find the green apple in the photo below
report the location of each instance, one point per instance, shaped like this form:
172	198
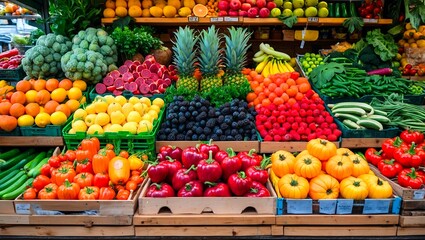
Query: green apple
311	3
323	12
287	5
322	4
311	12
275	12
299	12
298	3
287	13
279	3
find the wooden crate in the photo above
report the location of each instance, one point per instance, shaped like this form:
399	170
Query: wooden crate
270	147
238	146
405	193
362	142
411	231
68	220
6	207
200	205
204	231
66	231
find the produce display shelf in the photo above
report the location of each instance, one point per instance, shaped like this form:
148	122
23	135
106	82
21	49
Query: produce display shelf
237	146
21	141
293	146
69	220
43	230
362	142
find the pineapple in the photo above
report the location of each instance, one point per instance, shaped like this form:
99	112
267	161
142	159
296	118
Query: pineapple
185	57
236	48
210	59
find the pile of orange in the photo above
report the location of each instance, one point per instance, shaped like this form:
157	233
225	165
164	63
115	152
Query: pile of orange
42	102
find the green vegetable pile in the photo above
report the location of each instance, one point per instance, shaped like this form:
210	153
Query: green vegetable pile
44	59
93	54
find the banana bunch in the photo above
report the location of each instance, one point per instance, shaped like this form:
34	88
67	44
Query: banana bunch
270	61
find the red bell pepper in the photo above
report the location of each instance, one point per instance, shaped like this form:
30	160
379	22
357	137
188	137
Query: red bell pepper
160	190
101	180
408	157
257	190
373	156
170	151
83	166
239	183
389	168
209	170
217	190
231	164
220	156
259	173
191	189
158	172
409	179
250	159
390	145
183	176
173	166
192	156
409	136
207	147
10	53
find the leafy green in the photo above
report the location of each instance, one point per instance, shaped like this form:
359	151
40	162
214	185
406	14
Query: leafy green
383	44
34	35
324	73
415	12
353	24
68	17
289	21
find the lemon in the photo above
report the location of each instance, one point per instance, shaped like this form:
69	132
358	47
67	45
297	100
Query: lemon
95	129
127	108
117	117
90	119
106	127
130	127
148	117
155	108
80	114
30	96
109	99
102	119
140	108
25	120
158	102
146	101
113	107
72	131
121	100
59	95
42	119
90	109
58	118
153	113
79	126
133	100
115	128
144	126
134	116
100	106
75	93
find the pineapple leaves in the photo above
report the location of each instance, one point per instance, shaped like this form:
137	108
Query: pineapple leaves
236	49
185	52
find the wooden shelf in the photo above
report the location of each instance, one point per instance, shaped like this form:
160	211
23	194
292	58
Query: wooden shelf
31	141
241	21
30	17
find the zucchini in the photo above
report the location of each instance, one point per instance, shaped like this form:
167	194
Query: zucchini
369	109
337	10
11	180
371	124
344	11
16	167
379	118
343	116
14	194
9	154
350	110
9	175
31	164
15	185
34	172
13	161
379	112
350	124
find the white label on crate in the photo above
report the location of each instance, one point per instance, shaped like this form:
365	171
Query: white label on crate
21	208
370	20
418	194
344	206
39	211
312	19
193	19
299	206
216	19
376	206
231	19
327	206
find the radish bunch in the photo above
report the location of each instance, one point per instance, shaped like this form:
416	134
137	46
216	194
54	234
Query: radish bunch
147	78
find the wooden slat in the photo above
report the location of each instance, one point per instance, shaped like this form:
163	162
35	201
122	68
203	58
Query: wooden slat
412	221
14	219
163	231
81	220
277	230
238	146
31	141
346	231
387	219
74	231
420	231
7	207
206	219
362	142
270	147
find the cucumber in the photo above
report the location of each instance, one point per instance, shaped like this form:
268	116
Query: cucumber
35	171
343	116
9	154
350	124
8	176
353	9
11	162
379	112
16	167
364	106
14	194
15	185
371	124
11	180
379	118
344	10
31	164
350	110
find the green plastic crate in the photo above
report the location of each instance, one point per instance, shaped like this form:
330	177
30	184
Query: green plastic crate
14	132
16	74
126	94
142	141
49	130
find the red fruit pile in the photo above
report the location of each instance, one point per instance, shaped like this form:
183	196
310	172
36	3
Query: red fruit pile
371	9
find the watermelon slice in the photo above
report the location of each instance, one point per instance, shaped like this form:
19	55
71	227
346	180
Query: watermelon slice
100	88
145	73
133	67
111	88
117	92
147	64
154	68
150	58
148	81
144	89
132	87
153	86
128	63
136	75
127	77
140	68
119	83
108	80
154	77
160	81
137	63
139	80
115	74
123	69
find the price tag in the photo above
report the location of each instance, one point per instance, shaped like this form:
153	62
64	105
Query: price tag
231	19
313	19
288	35
299	206
370	20
327	206
419	194
23	208
193	19
344	206
216	19
376	206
